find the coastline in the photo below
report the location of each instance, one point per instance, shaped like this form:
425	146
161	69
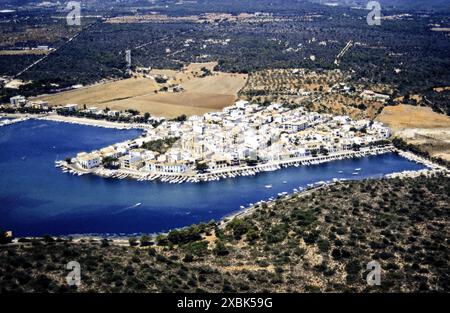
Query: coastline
350	154
301	193
122	240
230	172
94	123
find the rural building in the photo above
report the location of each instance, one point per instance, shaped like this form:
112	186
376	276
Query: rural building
373	96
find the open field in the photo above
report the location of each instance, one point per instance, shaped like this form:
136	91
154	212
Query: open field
200	95
420	126
24	52
103	93
406	116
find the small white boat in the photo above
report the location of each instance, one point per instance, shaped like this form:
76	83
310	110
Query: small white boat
268	186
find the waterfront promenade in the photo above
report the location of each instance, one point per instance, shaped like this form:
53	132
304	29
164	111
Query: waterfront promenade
228	172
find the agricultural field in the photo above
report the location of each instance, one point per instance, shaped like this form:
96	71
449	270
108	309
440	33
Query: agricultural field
24	52
200	93
420	126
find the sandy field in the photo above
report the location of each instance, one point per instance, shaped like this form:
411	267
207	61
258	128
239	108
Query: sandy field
200	95
24	52
420	126
103	93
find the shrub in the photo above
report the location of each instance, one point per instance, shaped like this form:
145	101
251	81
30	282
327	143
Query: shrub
220	249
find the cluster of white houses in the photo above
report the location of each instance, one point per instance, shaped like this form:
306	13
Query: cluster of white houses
238	135
23	102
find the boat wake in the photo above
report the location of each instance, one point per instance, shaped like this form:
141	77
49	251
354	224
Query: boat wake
128	208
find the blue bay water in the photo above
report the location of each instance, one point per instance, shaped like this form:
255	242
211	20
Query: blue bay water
36	198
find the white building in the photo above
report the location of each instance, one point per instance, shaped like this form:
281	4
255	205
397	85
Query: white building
88	160
176	167
18	101
113	113
70	107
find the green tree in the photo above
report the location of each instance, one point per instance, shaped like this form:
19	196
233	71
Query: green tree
220	249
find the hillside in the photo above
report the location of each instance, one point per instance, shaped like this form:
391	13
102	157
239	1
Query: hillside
315	241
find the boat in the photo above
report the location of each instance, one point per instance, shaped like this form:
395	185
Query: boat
268	186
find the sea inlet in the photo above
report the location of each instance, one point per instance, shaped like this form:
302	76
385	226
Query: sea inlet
36	198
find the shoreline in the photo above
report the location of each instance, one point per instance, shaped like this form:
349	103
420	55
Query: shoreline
92	122
121	240
13	120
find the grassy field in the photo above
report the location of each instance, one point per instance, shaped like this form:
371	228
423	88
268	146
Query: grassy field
201	94
420	126
24	52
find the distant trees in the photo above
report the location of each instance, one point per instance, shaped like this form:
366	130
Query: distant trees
133	242
146	241
180	118
201	166
5	237
220	249
110	162
160	145
186	235
239	227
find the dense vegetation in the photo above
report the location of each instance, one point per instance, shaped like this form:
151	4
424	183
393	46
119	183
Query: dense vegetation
403	52
160	145
320	240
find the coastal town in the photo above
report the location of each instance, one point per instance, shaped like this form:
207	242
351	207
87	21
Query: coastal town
240	140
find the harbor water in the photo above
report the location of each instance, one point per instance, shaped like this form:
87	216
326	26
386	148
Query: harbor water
36	198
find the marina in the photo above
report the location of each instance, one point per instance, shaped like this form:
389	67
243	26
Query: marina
232	172
38	198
